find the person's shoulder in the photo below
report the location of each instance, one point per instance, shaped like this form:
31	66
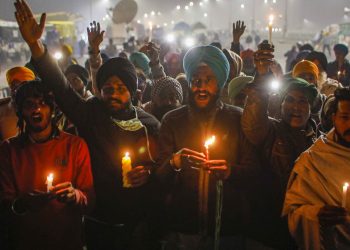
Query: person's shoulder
5	101
146	118
176	114
72	139
232	110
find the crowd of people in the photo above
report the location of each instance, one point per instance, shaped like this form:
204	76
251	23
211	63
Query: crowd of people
162	149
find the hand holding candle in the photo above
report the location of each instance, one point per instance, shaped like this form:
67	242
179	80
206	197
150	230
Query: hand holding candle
345	191
49	180
126	168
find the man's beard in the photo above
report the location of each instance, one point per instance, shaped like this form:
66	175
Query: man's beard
36	129
210	106
340	138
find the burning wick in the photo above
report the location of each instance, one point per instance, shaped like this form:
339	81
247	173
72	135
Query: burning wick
345	190
208	143
49	180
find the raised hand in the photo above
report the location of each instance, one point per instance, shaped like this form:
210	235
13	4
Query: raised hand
263	57
238	29
31	31
95	36
152	52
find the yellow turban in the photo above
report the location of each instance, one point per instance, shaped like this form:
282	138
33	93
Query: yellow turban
305	66
18	75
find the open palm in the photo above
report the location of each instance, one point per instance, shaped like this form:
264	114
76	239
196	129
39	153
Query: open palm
31	31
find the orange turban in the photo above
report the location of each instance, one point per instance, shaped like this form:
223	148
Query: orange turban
305	66
19	75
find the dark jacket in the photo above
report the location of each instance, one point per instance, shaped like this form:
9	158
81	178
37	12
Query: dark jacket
181	128
279	146
107	144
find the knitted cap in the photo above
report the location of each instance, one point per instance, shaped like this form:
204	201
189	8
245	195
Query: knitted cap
170	84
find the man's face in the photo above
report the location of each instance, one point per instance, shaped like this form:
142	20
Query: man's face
295	109
36	113
339	56
115	94
309	77
76	83
341	120
204	87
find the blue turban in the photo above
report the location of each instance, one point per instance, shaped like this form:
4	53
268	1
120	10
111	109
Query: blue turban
211	56
141	61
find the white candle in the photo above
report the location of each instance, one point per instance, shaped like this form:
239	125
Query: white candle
126	168
345	190
270	28
49	180
150	31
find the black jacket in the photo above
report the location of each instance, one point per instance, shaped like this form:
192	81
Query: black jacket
181	129
107	144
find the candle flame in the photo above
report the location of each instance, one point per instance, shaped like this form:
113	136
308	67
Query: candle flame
209	142
346	185
271	17
127	154
50	177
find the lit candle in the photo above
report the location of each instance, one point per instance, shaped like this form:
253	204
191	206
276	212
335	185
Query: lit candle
126	168
270	28
49	180
345	190
339	74
208	143
150	31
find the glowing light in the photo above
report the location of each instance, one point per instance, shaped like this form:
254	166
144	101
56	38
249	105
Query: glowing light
189	42
178	7
209	142
165	24
275	85
191	4
242	6
152	13
172	22
170	38
200	3
138	21
145	15
205	15
58	55
186	7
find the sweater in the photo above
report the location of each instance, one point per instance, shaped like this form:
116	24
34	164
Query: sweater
24	168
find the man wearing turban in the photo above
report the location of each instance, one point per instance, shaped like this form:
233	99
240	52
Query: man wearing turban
340	68
111	127
188	174
280	143
8	119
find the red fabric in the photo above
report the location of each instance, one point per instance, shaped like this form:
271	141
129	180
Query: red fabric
24	168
